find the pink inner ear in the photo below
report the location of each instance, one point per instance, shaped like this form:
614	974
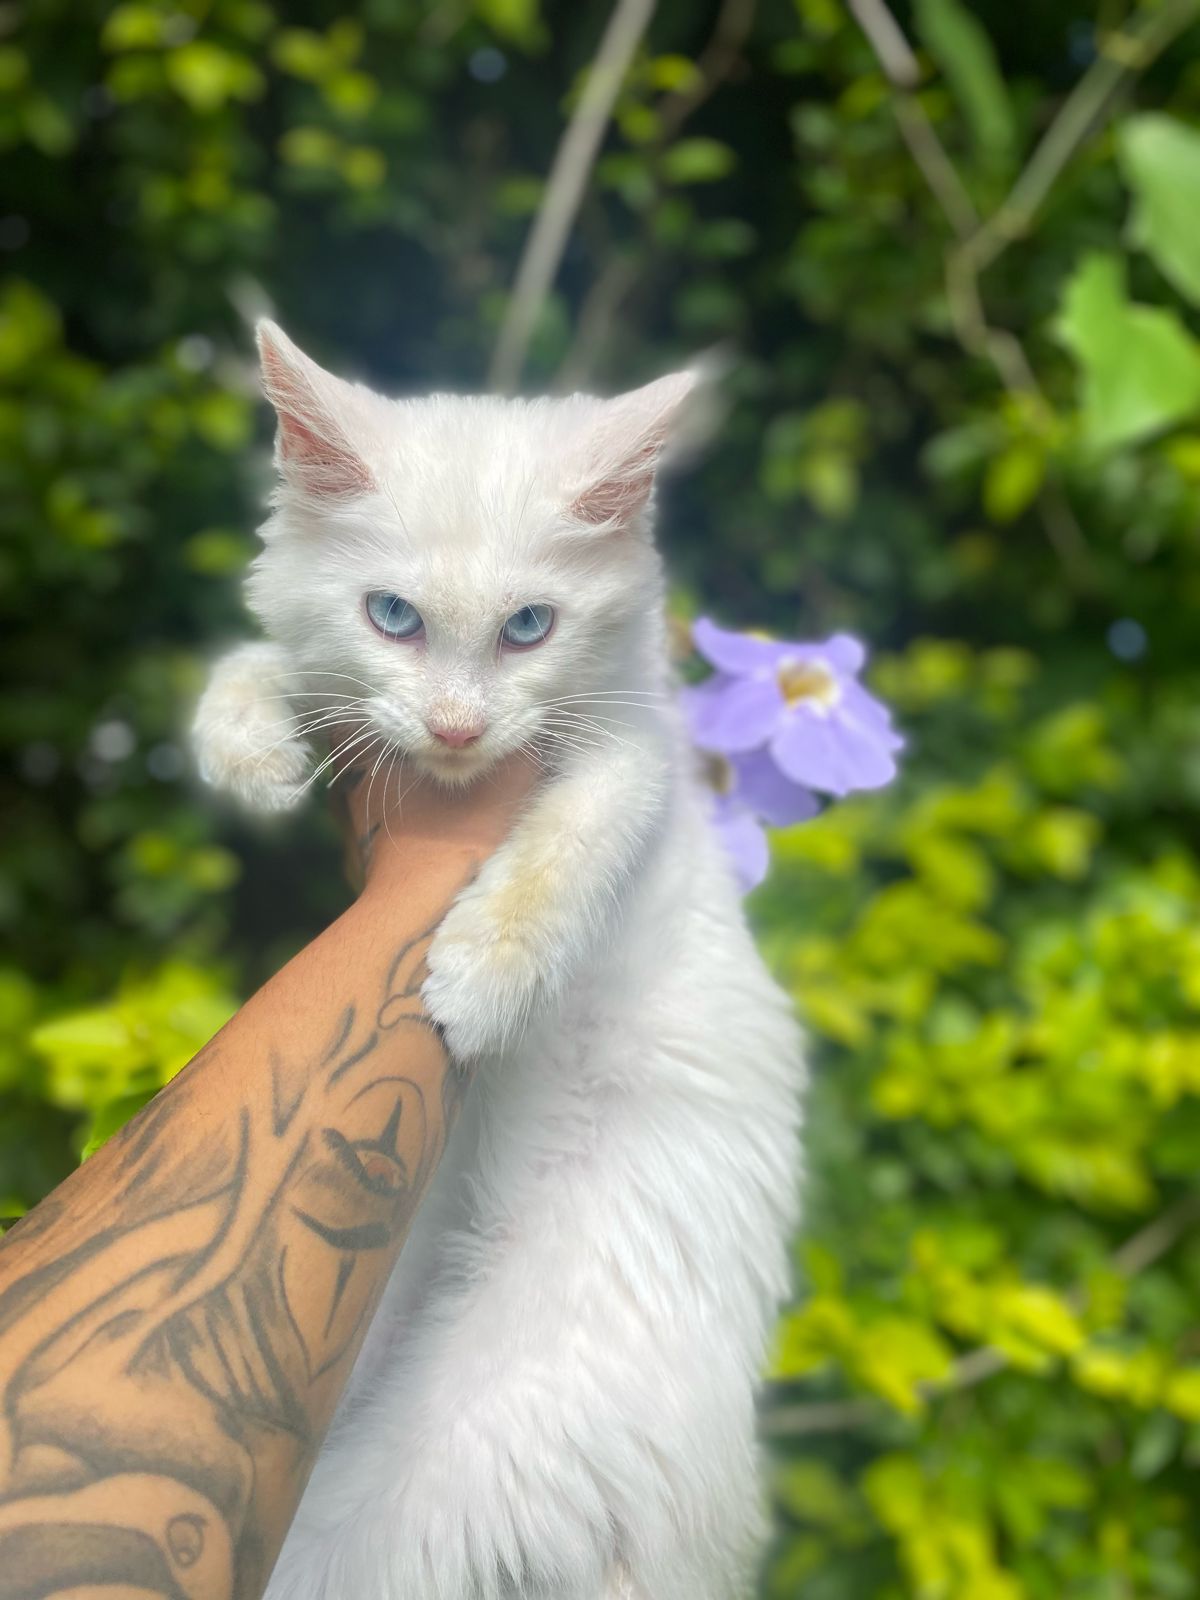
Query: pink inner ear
621	494
325	466
309	444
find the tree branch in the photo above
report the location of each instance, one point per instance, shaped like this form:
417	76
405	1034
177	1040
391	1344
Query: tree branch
1139	1252
1121	54
886	37
979	244
573	163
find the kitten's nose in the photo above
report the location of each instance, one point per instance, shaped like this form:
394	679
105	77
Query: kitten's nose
456	737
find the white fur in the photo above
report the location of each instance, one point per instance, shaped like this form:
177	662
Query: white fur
556	1398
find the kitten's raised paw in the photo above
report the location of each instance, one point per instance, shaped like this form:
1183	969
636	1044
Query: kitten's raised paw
243	732
270	780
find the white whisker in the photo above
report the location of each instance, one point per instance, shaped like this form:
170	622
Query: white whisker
315	672
346	744
263	752
576	722
608	694
346	766
386	746
400	798
298	726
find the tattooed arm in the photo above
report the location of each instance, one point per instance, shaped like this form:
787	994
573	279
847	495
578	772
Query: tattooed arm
178	1318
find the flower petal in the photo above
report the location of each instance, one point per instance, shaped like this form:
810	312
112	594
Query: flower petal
858	706
738	653
744	842
770	793
832	754
841	652
728	714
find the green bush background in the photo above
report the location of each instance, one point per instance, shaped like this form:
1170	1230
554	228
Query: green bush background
963	318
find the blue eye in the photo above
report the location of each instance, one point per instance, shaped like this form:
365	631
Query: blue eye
527	627
395	617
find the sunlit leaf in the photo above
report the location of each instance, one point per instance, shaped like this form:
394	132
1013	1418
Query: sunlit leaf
697	160
1012	480
207	75
1160	158
1139	366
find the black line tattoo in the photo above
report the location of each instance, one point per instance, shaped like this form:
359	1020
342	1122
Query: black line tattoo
156	1361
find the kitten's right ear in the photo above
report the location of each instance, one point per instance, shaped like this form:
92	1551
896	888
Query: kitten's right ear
316	414
629	440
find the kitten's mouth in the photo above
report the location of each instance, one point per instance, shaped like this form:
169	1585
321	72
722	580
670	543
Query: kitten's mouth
451	765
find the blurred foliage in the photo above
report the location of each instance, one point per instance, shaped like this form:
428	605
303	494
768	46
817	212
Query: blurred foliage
964	421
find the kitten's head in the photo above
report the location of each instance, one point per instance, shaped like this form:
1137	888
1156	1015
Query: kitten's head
453	566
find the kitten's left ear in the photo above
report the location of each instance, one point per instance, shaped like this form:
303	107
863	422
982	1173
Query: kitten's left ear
318	417
628	445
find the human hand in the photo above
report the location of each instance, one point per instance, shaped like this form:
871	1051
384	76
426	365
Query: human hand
396	828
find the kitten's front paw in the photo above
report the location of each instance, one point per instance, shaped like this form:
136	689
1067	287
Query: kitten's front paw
244	732
487	976
267	780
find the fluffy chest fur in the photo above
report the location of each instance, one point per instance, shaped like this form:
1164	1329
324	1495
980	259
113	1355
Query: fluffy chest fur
558	1394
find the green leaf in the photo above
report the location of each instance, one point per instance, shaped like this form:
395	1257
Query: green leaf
350	93
1013	479
516	20
895	1488
1156	1444
30	327
303	53
14	69
131	1046
962	49
673	73
310	147
363	167
1160	161
223	419
47	126
810	1491
1139	366
207	75
697	161
1181	1393
133	27
217	552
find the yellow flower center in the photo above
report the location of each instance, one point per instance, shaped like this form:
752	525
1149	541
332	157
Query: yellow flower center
807	680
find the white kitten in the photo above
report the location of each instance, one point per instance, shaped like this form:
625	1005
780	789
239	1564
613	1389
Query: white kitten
556	1399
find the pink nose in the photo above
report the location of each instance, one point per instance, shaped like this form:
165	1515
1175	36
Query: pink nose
456	737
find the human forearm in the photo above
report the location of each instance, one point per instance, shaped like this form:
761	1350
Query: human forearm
178	1319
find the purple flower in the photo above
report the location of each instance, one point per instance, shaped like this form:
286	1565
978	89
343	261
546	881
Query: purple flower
749	788
745	843
800	706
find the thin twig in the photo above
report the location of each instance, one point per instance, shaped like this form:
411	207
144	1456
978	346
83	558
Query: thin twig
903	72
935	165
621	275
1140	1251
573	163
899	64
1156	1238
716	62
